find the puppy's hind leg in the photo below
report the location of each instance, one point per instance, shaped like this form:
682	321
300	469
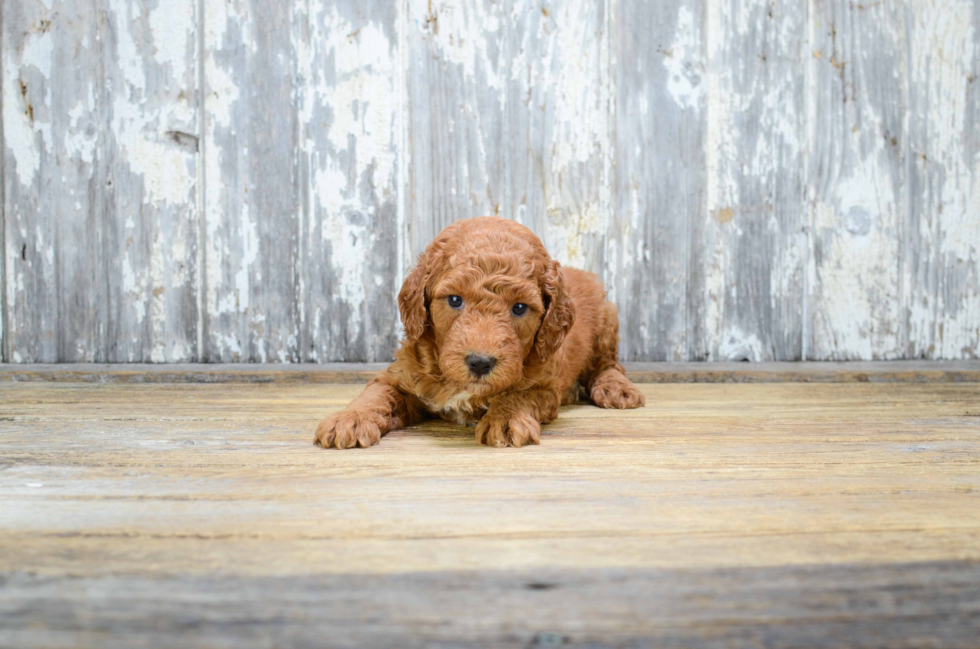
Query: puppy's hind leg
609	387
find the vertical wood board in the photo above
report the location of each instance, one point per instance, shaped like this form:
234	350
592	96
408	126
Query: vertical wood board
99	187
944	180
508	111
151	157
857	180
659	179
750	246
252	215
53	203
348	178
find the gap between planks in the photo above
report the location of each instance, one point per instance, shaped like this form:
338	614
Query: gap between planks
787	372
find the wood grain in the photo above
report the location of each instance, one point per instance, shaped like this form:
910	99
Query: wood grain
149	251
857	181
944	180
718	515
508	111
99	202
897	606
252	224
751	245
659	176
349	166
54	204
248	182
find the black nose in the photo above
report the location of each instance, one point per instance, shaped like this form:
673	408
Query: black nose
480	365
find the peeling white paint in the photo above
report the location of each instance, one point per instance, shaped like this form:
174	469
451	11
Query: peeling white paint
173	29
545	71
19	122
683	62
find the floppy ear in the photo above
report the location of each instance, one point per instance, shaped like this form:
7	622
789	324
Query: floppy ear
559	313
411	299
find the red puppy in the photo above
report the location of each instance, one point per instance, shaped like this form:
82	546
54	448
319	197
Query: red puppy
497	335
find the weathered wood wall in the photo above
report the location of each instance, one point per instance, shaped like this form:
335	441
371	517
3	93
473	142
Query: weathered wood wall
242	180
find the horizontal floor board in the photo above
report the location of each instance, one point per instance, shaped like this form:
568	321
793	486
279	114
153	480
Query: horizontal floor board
896	606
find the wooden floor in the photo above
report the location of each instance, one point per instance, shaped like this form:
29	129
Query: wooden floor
721	515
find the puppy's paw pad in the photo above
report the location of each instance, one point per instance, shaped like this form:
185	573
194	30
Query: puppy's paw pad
621	395
349	428
500	432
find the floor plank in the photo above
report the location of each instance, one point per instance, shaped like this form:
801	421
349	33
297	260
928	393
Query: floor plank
767	514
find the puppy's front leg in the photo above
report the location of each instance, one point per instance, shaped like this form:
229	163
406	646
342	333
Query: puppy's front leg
379	409
514	418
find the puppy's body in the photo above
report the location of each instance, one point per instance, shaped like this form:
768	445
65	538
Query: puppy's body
486	294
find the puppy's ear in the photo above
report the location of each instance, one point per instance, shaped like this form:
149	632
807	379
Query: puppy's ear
559	313
411	299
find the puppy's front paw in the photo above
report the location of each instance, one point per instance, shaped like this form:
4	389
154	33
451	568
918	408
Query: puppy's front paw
613	390
349	428
518	430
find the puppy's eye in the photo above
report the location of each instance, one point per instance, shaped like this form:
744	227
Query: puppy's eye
455	301
519	309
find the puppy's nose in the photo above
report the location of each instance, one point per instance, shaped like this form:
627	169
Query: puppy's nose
480	365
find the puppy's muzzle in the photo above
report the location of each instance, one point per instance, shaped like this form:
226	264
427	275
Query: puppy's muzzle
480	365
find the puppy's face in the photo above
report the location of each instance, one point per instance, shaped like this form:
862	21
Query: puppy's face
486	300
484	326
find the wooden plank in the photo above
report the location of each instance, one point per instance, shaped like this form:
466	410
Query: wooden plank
787	372
508	115
943	263
149	252
857	181
747	296
718	515
349	166
99	117
659	180
54	204
250	163
898	606
4	350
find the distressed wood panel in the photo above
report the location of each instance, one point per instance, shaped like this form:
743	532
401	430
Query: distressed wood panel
943	265
659	180
857	180
99	201
508	105
53	58
4	349
747	296
250	165
151	186
754	179
347	93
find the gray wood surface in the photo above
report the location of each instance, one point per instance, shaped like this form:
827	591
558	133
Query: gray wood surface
900	606
857	181
205	180
659	188
943	259
750	249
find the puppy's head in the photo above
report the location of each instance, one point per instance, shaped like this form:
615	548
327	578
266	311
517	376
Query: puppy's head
487	298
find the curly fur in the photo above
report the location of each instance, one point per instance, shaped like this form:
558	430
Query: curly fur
567	340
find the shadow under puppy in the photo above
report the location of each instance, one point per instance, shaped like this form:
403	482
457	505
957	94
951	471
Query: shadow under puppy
497	335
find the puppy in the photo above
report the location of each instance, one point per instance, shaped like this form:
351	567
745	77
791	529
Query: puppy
497	335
